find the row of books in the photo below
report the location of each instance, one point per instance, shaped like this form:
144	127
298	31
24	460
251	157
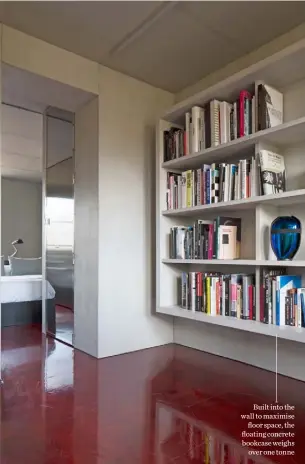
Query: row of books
263	174
217	239
282	297
219	122
219	295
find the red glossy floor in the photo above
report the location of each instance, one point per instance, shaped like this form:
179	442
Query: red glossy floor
168	405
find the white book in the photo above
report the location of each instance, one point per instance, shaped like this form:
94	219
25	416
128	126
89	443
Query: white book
243	178
193	291
180	241
198	129
227	242
179	192
215	129
272	172
224	111
235	119
252	179
239	181
213	295
236	185
188	120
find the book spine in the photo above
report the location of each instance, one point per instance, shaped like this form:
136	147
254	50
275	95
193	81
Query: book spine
189	196
208	186
208	294
215	123
207	125
188	120
193	291
241	115
210	241
233	296
213	296
218	296
253	119
215	239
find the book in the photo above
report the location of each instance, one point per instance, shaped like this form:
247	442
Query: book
268	294
273	175
198	131
269	103
245	99
188	142
214	122
300	319
283	284
225	121
228	237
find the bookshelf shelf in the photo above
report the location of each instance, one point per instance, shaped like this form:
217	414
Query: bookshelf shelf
283	332
294	197
237	262
287	134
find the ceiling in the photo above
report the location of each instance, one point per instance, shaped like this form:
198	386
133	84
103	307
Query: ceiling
167	44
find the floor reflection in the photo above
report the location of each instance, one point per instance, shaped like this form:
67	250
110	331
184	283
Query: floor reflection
167	405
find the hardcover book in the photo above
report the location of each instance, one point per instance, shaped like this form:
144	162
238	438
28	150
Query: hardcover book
269	106
273	175
283	284
228	237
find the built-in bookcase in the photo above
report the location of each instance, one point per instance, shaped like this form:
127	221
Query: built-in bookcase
285	72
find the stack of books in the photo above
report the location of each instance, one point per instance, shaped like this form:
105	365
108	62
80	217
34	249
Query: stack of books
219	122
217	239
282	299
219	294
263	174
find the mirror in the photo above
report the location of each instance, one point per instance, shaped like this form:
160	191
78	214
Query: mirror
59	214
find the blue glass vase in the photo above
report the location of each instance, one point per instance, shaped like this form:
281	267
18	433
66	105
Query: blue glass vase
285	237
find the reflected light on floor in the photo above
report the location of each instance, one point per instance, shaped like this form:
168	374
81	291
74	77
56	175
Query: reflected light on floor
166	405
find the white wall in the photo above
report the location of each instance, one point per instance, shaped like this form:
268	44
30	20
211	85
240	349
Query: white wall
128	113
21	217
34	55
21	143
87	243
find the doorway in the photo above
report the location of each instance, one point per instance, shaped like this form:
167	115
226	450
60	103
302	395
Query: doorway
41	279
